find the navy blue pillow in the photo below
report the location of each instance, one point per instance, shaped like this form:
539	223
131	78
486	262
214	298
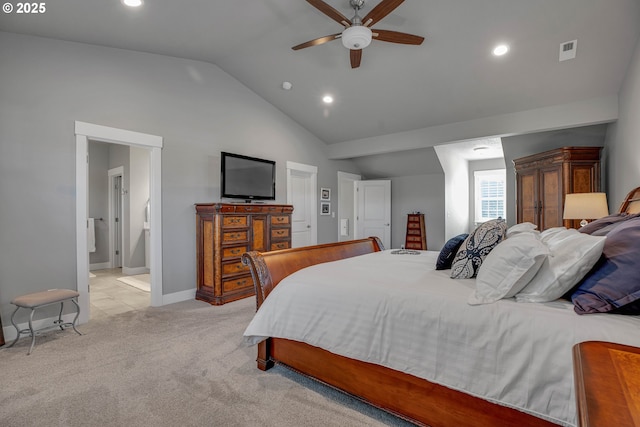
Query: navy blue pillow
449	251
613	284
602	226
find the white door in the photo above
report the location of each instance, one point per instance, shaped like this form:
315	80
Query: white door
301	193
373	210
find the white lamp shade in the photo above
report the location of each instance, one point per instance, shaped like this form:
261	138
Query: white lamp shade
356	37
585	206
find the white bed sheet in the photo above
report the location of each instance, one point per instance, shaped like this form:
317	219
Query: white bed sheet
514	354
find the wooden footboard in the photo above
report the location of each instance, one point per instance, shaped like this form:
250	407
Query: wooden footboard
407	396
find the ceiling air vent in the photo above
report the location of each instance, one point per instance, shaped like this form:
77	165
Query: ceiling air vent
568	50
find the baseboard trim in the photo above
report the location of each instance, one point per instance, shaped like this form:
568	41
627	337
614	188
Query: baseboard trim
132	271
99	266
179	297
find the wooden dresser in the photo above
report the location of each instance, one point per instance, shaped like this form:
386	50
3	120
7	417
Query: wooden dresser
607	380
223	233
416	237
542	181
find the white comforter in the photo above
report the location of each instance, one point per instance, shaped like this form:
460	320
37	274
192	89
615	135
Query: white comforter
398	311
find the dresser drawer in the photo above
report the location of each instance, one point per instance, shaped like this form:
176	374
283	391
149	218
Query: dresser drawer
233	268
235	236
414	232
279	245
414	238
234	221
279	233
280	219
413	224
233	252
237	283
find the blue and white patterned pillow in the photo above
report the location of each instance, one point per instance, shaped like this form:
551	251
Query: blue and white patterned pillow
476	247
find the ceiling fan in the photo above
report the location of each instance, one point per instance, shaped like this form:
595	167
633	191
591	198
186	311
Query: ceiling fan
358	33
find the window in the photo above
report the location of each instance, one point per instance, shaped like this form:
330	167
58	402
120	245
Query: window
489	194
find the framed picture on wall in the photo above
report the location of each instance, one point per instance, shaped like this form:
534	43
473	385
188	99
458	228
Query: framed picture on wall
325	208
325	194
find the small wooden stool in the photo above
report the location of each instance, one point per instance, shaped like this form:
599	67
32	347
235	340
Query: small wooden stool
41	299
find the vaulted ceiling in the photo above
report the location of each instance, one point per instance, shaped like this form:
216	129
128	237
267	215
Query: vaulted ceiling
452	77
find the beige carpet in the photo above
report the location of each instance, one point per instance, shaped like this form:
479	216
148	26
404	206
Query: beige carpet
178	365
139	281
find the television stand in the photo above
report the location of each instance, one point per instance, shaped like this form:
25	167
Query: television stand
225	231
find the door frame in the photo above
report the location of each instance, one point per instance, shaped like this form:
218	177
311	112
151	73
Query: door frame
88	131
113	173
351	207
312	171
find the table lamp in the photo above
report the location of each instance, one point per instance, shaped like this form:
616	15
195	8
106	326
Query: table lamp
585	206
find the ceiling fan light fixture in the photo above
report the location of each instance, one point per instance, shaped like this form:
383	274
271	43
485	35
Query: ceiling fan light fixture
356	37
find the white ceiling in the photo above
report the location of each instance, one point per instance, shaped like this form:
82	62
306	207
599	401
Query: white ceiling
451	77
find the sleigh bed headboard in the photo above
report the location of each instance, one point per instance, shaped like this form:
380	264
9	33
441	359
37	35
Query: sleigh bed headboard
631	203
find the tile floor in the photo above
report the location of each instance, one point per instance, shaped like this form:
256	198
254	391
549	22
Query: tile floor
110	297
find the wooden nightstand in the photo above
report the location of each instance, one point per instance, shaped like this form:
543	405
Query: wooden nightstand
607	379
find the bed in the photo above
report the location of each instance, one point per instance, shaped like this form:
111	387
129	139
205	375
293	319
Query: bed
453	374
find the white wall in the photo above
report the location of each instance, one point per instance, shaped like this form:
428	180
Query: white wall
456	190
197	108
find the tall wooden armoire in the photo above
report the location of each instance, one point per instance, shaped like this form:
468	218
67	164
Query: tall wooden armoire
543	180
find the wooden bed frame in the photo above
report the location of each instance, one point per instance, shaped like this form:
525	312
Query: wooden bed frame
414	399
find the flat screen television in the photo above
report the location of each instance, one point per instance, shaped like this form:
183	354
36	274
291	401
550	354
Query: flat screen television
248	178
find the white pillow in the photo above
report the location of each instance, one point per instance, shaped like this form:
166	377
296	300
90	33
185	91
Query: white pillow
508	268
524	227
571	256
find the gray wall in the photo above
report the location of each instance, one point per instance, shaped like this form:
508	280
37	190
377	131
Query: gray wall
98	199
197	108
623	140
515	147
421	193
417	184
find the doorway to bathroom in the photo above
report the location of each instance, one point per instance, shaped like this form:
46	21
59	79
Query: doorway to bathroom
151	146
118	209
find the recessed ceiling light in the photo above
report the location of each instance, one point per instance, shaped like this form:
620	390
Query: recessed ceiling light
132	3
287	85
500	50
327	99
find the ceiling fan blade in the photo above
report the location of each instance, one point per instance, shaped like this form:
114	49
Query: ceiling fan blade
316	42
356	57
383	8
396	37
330	12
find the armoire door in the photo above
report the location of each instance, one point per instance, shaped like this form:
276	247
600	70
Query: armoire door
550	202
527	193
